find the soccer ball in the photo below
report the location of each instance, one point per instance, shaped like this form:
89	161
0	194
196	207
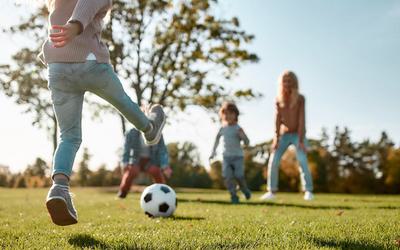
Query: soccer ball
158	200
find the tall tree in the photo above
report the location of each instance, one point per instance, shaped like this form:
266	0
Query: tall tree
84	173
168	52
185	162
24	80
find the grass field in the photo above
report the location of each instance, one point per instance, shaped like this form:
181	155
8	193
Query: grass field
204	220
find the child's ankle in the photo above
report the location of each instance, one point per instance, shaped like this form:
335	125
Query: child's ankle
61	179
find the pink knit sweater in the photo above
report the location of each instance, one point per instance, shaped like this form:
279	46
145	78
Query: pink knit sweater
291	119
90	14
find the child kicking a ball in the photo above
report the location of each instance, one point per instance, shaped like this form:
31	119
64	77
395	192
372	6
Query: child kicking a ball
78	61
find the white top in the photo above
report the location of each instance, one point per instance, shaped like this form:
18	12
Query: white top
91	57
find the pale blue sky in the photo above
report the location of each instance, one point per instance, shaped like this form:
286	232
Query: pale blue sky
346	54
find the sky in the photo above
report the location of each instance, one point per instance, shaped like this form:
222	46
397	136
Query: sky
345	53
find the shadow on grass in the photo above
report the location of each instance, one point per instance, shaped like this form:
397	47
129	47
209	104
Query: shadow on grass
185	218
271	204
388	207
346	244
233	245
85	240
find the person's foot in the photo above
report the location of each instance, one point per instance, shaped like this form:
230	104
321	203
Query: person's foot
308	196
157	119
235	199
247	195
268	196
122	194
60	206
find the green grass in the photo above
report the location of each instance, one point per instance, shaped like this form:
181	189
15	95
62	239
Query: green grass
204	220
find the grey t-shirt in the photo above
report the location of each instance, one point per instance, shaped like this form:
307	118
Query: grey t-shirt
231	135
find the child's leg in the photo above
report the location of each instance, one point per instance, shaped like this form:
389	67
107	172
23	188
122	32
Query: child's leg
130	173
67	102
102	81
156	174
227	174
274	161
239	175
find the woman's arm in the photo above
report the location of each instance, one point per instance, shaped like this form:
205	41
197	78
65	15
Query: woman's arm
302	121
278	123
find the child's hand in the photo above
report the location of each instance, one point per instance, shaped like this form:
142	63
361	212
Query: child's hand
302	146
275	144
167	172
66	33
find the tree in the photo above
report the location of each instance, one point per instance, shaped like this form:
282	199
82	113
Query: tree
167	52
392	176
185	163
84	172
24	80
99	177
3	180
20	181
35	175
177	45
216	175
39	168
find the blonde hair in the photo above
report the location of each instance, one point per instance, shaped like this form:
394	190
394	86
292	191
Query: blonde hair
228	106
294	85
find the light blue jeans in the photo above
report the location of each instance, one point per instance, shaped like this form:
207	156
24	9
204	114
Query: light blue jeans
305	176
233	169
68	83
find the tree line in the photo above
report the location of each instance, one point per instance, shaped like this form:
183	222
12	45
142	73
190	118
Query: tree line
337	163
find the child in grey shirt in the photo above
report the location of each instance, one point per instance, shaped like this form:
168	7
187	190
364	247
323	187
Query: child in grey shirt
232	166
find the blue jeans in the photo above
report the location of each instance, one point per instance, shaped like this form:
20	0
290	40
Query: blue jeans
233	169
305	176
68	83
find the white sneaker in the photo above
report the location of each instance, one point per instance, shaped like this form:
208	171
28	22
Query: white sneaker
308	196
268	196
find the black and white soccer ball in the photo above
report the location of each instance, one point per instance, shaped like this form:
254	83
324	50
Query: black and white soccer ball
158	200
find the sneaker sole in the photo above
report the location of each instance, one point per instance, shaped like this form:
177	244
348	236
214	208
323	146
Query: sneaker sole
59	213
158	136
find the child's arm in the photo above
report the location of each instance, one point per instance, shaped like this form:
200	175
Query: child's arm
243	137
215	144
86	10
